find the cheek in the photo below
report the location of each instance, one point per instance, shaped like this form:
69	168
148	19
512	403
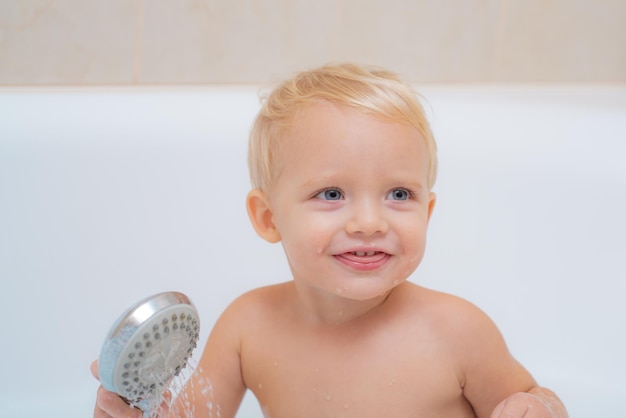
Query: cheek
308	240
414	240
414	255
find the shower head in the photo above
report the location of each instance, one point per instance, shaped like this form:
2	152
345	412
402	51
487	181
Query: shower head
147	347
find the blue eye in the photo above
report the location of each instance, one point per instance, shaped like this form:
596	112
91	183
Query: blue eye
330	194
399	194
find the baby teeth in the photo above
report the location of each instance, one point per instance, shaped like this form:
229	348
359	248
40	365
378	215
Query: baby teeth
363	253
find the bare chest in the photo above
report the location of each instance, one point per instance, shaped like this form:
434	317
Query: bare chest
352	376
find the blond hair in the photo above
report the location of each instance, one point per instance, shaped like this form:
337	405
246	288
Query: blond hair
367	90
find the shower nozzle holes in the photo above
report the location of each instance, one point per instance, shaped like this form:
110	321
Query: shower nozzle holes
149	345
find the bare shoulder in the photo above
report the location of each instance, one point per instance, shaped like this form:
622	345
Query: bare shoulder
248	314
454	322
257	304
476	346
263	297
445	309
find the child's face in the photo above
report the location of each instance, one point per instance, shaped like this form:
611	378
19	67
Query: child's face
351	204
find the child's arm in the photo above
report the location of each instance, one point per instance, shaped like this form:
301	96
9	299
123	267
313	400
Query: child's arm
217	386
494	383
214	390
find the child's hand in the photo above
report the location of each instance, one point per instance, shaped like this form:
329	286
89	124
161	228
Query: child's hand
523	405
109	404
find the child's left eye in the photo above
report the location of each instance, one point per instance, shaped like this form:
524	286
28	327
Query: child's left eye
399	194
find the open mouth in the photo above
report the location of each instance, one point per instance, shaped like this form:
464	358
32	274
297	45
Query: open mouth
363	260
364	253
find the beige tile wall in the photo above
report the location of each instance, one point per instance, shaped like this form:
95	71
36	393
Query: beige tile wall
86	42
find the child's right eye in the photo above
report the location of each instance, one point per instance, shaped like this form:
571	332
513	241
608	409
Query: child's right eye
330	194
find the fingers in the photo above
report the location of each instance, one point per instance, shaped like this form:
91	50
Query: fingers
521	405
510	410
496	412
94	369
164	408
110	405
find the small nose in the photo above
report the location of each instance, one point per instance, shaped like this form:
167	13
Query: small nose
367	218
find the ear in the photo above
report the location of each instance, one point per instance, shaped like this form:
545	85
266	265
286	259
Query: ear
432	198
261	216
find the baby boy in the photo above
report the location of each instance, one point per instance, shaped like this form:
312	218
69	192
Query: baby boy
343	164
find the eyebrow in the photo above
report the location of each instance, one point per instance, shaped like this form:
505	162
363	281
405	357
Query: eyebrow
416	186
317	181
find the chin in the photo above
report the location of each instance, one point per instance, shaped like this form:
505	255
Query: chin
366	291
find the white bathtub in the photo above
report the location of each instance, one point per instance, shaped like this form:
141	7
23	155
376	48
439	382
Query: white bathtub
111	195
